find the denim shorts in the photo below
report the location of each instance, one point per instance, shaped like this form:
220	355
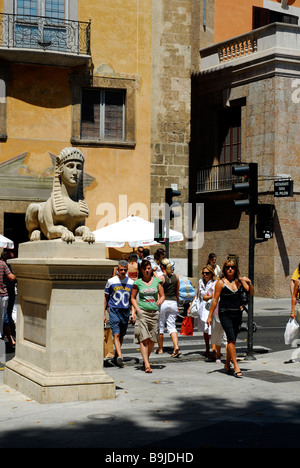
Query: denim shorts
118	319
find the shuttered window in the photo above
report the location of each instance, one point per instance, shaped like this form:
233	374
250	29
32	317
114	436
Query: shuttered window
103	114
230	135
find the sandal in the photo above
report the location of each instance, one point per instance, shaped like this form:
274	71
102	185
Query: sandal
158	352
176	354
228	370
238	374
148	370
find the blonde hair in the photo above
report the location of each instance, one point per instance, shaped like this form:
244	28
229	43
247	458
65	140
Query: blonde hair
211	270
165	262
233	263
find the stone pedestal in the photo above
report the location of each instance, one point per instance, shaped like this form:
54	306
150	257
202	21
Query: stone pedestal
59	348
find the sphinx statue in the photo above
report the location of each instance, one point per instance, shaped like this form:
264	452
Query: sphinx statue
63	215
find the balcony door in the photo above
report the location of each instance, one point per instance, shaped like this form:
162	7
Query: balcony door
230	135
41	24
229	144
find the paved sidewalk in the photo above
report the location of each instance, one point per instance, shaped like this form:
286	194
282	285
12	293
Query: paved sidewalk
182	405
266	306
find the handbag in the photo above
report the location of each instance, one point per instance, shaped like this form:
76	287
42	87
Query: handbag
194	310
244	296
291	331
208	304
108	343
187	326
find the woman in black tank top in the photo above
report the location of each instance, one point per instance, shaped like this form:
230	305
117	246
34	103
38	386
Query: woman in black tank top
228	292
169	308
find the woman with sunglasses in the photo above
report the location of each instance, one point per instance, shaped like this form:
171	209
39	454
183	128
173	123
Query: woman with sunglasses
205	293
228	290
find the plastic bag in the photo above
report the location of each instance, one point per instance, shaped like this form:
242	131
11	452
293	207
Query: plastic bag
291	331
187	326
194	310
186	290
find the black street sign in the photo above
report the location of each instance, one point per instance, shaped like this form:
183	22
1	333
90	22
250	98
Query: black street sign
283	188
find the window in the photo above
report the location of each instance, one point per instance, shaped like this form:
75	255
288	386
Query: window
49	8
230	135
26	7
103	114
55	9
50	32
263	16
103	111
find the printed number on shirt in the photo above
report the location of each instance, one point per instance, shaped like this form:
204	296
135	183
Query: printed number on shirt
121	297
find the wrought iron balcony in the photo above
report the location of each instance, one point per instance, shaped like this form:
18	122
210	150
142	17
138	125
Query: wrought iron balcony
216	178
39	39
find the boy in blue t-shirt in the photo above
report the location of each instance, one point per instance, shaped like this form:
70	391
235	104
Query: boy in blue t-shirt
117	298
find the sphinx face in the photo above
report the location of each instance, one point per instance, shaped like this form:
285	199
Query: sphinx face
72	173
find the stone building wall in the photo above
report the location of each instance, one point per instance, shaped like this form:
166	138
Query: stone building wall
171	95
270	126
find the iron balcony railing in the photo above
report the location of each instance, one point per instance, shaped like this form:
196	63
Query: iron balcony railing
216	178
44	33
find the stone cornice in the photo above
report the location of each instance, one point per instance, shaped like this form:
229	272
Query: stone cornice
276	53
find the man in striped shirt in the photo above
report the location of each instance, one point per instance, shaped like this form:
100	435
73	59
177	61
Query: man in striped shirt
4	271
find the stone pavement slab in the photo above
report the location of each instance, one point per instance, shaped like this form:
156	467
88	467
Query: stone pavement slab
181	405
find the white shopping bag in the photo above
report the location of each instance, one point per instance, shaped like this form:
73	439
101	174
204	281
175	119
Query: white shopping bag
291	331
195	306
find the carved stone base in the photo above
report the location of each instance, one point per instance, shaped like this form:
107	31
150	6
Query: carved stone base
59	347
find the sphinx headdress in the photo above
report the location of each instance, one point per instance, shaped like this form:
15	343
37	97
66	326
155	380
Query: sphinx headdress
67	154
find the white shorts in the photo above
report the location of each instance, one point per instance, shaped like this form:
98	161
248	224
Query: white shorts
167	316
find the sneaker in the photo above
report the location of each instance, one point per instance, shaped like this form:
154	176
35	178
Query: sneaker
120	361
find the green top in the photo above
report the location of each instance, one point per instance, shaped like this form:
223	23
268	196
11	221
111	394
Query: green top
148	294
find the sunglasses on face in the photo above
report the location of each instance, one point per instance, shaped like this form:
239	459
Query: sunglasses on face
229	268
206	273
122	269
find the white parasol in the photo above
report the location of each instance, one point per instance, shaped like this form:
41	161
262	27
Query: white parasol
6	243
133	230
